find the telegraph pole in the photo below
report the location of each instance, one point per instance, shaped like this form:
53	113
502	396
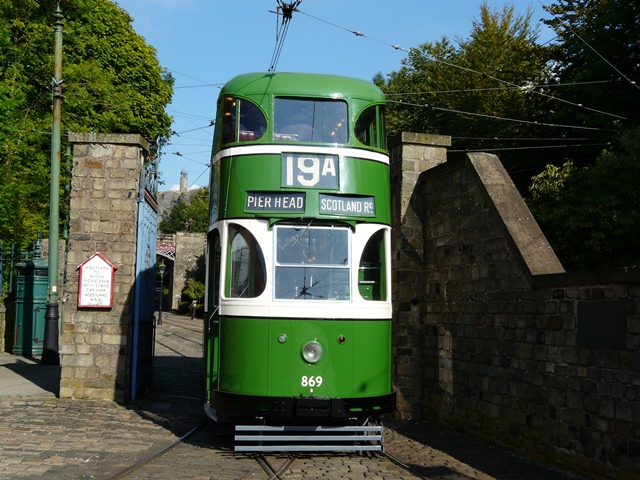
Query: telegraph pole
50	351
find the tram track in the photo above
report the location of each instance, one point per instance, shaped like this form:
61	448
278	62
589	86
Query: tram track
154	456
402	464
275	466
174	334
178	325
192	432
279	473
275	474
186	357
176	341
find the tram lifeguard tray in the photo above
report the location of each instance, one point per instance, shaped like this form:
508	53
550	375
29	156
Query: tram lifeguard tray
290	438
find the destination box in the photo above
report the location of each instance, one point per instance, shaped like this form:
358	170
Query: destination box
275	202
343	205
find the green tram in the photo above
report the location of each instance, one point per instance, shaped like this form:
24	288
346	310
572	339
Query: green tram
298	304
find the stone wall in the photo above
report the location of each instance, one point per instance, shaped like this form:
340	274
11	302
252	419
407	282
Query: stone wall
411	154
493	337
95	343
190	247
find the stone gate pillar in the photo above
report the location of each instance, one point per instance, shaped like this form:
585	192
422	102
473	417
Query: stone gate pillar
95	342
190	246
410	155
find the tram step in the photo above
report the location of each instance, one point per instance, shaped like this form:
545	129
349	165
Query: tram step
289	438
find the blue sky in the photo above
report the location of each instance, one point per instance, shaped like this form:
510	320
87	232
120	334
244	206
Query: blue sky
204	43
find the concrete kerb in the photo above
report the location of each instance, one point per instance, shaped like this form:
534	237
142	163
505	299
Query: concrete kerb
24	376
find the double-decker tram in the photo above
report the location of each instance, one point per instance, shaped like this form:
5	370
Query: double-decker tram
298	304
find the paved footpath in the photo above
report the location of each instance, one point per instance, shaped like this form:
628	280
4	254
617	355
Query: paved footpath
47	437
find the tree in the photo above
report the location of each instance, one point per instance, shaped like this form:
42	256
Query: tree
469	89
597	52
188	215
590	214
589	210
113	83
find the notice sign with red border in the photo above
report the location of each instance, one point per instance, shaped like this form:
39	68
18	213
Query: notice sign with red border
95	285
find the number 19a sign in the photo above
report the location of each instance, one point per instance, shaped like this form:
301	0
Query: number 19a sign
310	170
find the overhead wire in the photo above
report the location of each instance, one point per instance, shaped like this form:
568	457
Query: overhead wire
203	82
189	116
198	177
194	129
286	10
197	86
495	117
489	89
568	26
523	139
510	85
539	147
356	32
467	69
191	144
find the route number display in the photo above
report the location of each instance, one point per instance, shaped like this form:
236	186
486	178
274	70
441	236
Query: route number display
310	170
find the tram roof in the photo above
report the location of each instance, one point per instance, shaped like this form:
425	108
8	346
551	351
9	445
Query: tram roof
302	84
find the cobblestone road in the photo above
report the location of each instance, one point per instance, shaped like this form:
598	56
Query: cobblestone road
47	437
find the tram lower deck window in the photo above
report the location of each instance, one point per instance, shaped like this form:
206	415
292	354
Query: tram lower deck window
312	263
246	267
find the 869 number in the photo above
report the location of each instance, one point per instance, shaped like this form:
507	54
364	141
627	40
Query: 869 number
311	381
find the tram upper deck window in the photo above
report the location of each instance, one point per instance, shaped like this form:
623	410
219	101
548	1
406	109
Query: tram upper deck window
251	126
310	120
369	127
312	263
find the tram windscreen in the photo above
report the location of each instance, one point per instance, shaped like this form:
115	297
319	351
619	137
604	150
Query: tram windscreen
310	120
312	263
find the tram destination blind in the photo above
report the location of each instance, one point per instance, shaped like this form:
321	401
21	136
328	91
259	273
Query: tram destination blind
275	202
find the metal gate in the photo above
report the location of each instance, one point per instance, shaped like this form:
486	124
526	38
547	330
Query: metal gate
143	320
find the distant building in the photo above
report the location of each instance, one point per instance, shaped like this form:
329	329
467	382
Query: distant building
167	199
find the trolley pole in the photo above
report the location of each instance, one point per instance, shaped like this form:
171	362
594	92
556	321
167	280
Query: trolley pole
50	351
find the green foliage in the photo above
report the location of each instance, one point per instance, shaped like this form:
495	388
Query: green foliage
194	287
193	290
441	84
588	209
597	53
113	83
590	215
113	86
188	215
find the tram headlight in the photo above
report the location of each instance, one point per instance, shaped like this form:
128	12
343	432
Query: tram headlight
312	352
